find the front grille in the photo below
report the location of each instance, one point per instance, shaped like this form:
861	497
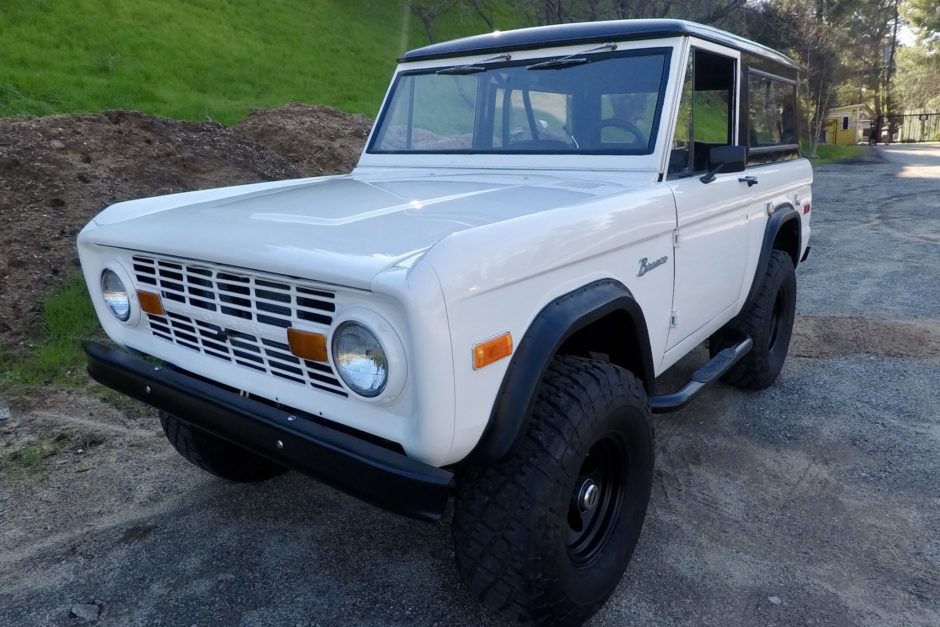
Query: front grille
235	295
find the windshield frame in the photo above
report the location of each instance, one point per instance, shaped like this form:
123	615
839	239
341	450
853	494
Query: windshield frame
660	48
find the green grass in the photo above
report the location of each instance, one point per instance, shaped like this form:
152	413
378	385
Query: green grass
207	58
827	153
190	59
57	358
29	459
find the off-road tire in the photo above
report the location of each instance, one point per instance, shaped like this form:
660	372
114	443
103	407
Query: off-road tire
215	455
768	322
512	534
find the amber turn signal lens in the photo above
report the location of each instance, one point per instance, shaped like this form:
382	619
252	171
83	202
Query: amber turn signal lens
492	350
307	345
150	303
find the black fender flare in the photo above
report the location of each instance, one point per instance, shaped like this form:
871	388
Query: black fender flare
782	216
555	323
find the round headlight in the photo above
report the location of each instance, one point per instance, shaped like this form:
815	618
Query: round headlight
115	295
360	359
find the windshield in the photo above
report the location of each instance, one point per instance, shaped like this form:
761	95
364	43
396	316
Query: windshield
600	104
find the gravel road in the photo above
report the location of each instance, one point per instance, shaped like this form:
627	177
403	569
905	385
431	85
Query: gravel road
814	502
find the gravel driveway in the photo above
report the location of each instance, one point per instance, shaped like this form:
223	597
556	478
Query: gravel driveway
817	501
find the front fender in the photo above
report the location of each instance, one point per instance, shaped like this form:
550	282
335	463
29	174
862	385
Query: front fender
554	324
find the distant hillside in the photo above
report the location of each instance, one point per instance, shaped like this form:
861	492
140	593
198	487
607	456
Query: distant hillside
193	59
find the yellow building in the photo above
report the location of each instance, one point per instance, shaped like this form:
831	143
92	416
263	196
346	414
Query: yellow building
847	125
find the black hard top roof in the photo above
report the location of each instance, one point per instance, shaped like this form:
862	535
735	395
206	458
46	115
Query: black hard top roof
589	32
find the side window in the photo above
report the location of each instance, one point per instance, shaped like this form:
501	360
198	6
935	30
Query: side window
771	111
706	112
712	115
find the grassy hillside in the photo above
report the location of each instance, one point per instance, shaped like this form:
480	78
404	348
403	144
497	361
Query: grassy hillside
192	59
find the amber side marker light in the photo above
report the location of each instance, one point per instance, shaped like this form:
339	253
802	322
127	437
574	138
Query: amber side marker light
307	345
492	350
150	303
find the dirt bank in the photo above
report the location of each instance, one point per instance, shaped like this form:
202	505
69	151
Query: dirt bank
57	172
315	140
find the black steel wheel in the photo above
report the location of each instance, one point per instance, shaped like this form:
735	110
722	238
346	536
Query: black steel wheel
545	535
596	498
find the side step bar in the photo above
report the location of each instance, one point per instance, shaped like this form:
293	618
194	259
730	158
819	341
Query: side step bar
716	367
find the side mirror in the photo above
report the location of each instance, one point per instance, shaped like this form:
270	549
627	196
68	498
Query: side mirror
725	159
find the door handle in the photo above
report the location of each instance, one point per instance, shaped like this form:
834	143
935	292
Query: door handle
750	180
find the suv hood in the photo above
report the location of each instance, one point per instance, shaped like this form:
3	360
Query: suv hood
341	230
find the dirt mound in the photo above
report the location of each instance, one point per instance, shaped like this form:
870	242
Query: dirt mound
316	140
838	336
57	172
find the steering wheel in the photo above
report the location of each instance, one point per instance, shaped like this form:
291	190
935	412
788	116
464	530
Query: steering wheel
640	138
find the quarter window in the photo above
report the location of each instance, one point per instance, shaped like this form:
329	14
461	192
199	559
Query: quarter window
771	111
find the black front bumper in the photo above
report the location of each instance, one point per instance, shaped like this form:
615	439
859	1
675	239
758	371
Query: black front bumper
363	469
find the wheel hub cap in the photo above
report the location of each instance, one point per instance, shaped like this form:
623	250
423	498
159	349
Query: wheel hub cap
588	496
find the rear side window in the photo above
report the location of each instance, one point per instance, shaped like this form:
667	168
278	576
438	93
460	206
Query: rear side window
771	111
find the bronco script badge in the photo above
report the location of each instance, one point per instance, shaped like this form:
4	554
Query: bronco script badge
646	265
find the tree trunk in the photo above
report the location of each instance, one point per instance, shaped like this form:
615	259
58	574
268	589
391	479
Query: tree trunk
892	62
819	119
428	23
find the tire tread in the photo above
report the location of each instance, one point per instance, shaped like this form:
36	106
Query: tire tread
756	370
493	529
215	455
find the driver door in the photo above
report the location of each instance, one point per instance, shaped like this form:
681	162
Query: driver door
712	238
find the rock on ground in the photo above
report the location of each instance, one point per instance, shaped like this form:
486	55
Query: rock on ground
85	612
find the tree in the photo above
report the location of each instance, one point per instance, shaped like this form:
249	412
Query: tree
919	65
814	33
427	11
924	16
483	9
848	49
871	58
919	77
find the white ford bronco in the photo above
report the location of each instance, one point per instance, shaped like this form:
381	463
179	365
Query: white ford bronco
542	222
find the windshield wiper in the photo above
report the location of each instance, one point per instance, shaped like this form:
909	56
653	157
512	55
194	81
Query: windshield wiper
571	59
472	68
